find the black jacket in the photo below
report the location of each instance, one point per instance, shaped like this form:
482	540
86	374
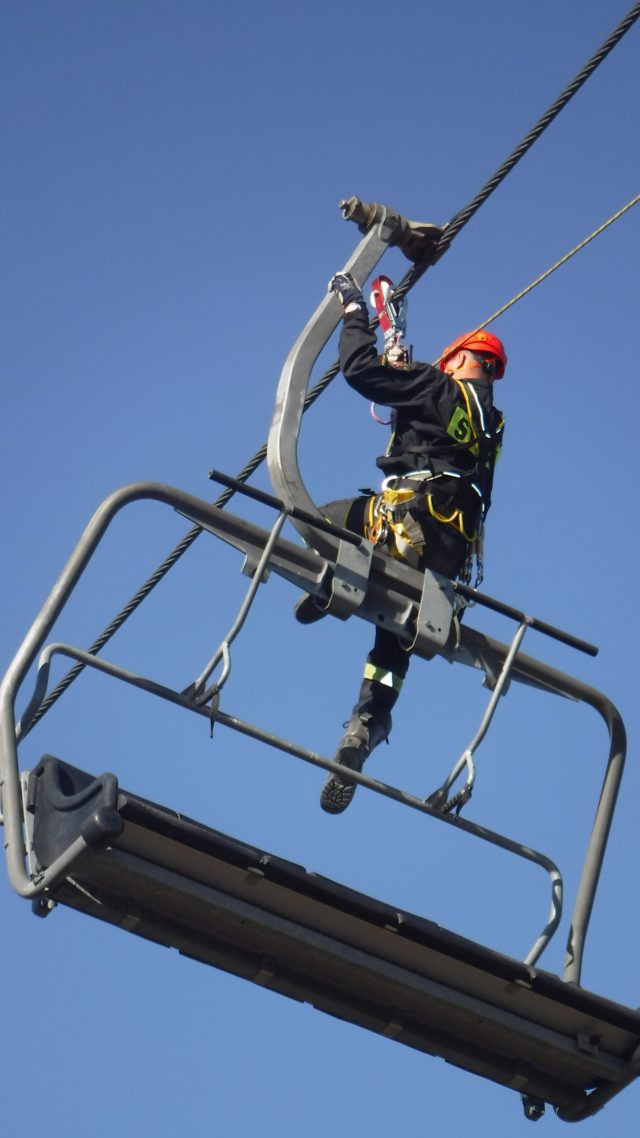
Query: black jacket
431	430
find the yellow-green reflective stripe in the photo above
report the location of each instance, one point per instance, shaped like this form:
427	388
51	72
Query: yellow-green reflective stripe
382	676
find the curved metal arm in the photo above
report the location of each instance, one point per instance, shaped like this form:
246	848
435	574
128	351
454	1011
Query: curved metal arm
383	227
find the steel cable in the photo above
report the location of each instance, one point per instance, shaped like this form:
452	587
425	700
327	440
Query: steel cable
558	264
451	230
464	215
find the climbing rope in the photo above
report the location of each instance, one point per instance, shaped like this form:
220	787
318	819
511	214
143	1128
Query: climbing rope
451	230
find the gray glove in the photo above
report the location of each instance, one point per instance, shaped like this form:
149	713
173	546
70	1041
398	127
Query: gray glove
346	289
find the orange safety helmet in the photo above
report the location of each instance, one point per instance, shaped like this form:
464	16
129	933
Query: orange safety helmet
478	342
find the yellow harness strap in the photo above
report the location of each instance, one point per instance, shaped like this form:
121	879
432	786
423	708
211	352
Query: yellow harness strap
388	522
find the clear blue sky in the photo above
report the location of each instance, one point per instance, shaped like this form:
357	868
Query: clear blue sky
171	176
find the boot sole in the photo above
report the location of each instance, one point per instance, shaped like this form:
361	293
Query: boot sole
337	793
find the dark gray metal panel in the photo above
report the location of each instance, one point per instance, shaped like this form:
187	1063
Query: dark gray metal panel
225	931
399	938
175	881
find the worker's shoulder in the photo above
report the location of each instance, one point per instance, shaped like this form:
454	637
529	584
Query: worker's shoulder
431	373
439	387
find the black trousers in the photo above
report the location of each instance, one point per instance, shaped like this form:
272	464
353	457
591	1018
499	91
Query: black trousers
444	552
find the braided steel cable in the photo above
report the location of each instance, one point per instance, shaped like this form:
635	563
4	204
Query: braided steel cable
453	227
451	230
170	560
558	264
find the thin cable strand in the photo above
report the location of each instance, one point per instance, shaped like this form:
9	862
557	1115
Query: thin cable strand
558	264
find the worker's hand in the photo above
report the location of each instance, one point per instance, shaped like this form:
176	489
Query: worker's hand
346	290
398	356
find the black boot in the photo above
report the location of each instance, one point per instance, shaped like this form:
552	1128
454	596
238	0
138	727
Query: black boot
364	731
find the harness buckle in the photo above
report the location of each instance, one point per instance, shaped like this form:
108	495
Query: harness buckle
391	523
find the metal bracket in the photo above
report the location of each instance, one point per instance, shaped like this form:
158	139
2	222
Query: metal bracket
418	240
350	579
34	869
434	617
589	1042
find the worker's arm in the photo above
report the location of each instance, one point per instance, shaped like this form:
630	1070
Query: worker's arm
364	370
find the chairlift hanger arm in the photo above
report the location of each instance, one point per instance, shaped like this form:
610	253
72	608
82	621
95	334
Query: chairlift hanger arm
381	227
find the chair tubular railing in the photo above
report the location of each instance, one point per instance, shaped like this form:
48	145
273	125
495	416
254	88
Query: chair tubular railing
509	662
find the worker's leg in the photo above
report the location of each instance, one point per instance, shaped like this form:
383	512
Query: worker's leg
350	514
370	722
384	672
386	666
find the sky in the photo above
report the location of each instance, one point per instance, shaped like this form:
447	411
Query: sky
171	177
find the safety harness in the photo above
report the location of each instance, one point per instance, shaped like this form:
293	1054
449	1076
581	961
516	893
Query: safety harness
454	498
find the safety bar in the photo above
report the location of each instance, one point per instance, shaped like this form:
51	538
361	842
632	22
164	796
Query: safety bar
47	878
500	607
470	594
293	511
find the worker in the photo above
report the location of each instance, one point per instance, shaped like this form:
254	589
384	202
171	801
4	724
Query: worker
436	492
